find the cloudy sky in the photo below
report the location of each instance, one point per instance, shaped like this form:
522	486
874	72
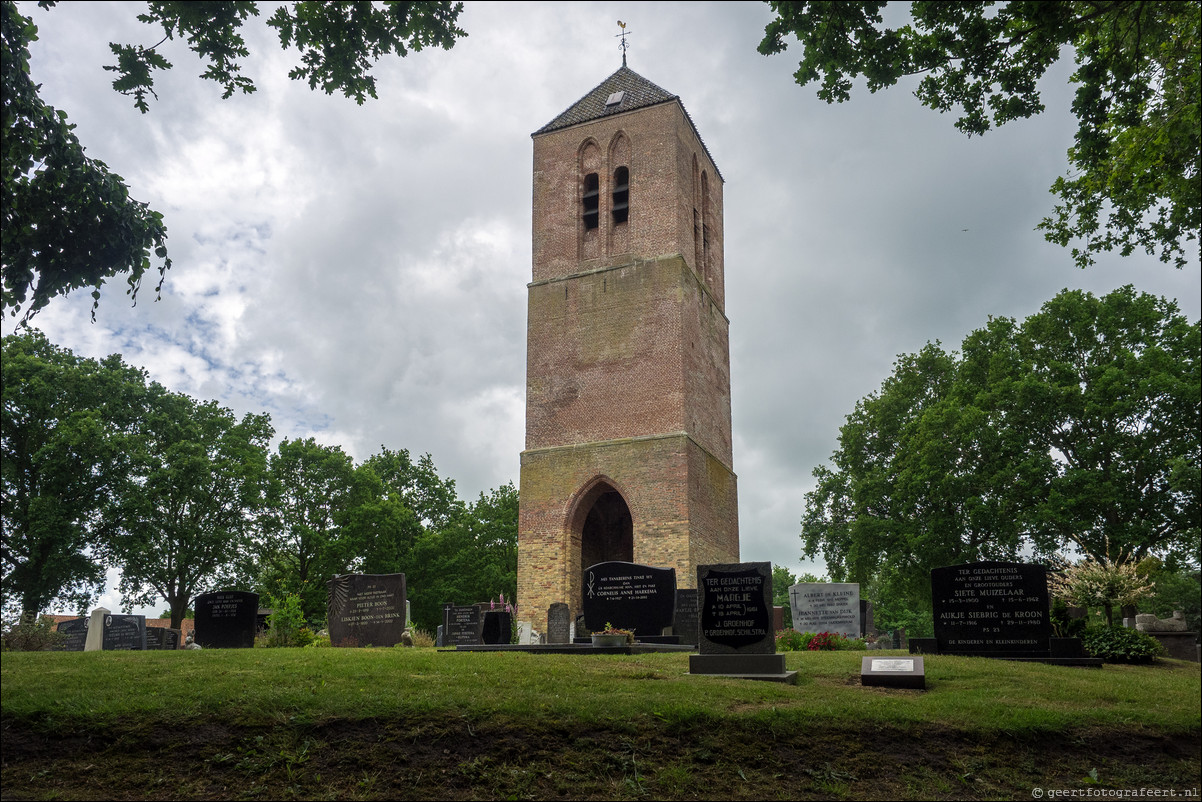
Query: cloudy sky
359	272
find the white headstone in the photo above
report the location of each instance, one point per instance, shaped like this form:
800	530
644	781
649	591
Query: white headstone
95	639
826	607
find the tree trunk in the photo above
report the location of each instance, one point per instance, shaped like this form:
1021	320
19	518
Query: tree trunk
179	608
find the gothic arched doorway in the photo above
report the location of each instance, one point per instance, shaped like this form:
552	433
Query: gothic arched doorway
608	532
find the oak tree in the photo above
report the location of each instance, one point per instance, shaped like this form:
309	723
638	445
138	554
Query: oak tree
70	223
1078	429
1135	178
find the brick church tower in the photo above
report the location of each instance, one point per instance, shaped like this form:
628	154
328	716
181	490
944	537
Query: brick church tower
628	436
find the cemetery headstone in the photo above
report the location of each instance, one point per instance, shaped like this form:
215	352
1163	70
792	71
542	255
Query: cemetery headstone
995	609
162	638
867	625
123	633
736	635
640	598
778	619
686	624
465	626
366	609
74	634
439	637
893	672
559	623
497	627
826	607
94	642
225	619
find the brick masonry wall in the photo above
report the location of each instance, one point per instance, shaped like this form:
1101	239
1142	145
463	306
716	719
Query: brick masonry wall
660	148
682	504
628	366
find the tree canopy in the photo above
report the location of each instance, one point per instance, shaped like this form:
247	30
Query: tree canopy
186	518
70	223
1077	429
65	456
1135	178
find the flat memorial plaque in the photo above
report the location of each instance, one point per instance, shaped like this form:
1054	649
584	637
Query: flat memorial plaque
893	672
641	598
993	609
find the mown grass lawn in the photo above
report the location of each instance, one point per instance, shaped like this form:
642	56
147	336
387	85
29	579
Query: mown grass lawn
419	723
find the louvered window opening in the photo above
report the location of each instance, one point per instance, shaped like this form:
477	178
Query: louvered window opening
592	202
621	207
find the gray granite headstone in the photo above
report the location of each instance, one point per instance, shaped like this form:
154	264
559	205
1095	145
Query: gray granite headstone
74	634
826	607
366	609
162	638
124	633
687	623
559	623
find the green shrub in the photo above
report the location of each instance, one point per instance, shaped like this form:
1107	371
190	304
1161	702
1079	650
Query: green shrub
1121	645
320	641
1064	624
790	640
31	634
286	622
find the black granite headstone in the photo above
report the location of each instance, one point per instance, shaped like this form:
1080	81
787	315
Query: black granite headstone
687	623
630	596
366	609
497	627
867	625
74	633
991	609
162	638
124	633
559	623
225	619
736	609
464	627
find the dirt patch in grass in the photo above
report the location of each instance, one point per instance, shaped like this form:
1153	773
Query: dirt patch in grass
449	757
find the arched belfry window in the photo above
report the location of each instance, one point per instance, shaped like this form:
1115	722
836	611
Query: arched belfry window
621	204
705	224
592	201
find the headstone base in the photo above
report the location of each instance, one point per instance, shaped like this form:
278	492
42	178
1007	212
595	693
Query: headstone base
1058	656
769	667
1179	645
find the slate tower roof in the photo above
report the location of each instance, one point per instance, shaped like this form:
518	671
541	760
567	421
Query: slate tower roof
636	93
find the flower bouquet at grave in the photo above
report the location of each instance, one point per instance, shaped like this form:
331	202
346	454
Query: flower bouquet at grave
611	633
